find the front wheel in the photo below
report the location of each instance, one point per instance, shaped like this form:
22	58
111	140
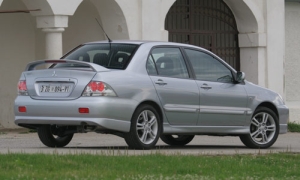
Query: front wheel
145	128
177	140
46	135
264	129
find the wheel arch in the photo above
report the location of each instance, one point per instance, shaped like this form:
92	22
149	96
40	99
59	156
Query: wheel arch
156	107
270	106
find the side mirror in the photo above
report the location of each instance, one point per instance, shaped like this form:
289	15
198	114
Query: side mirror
240	77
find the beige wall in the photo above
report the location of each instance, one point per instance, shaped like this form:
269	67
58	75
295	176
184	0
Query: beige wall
82	27
292	62
17	40
292	45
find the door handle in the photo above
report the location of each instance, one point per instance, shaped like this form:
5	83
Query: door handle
160	82
205	86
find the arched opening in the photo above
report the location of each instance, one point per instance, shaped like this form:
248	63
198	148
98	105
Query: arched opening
82	27
206	23
17	49
112	18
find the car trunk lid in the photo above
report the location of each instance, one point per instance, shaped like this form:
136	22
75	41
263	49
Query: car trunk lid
64	83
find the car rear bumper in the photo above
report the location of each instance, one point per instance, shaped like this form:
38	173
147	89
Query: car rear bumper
107	112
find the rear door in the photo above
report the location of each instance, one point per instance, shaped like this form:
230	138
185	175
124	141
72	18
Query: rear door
178	93
222	102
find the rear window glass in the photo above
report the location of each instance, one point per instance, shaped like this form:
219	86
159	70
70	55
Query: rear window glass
111	56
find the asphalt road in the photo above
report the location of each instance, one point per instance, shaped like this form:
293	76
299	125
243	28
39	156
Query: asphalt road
92	143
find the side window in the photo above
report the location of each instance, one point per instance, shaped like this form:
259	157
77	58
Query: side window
168	62
151	66
207	68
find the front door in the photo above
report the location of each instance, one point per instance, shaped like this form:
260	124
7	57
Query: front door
222	101
177	92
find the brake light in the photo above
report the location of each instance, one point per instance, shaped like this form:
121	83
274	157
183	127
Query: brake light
22	88
98	88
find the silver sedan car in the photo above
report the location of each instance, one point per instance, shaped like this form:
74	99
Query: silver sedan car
143	91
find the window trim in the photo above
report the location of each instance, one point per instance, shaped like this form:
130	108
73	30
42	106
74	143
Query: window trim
231	69
81	45
190	74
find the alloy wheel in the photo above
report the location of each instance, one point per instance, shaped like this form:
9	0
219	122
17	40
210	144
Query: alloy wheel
262	128
147	127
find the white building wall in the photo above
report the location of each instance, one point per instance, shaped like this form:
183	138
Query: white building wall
292	45
112	18
17	39
292	63
82	27
249	15
275	45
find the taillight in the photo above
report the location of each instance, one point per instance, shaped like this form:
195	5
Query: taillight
22	88
98	88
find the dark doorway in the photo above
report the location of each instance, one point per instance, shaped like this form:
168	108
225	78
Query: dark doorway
206	23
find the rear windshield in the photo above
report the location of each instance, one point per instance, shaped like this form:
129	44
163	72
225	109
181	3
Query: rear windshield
111	56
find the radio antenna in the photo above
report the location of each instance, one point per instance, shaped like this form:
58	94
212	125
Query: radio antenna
109	40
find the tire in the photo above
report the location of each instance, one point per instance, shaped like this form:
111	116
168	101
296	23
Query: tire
47	138
145	128
264	129
179	140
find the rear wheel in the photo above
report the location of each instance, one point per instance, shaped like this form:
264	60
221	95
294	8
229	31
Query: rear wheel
264	129
177	140
145	128
49	137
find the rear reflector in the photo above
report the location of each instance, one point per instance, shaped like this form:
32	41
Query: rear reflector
22	109
83	110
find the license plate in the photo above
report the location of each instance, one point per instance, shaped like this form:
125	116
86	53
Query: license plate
54	88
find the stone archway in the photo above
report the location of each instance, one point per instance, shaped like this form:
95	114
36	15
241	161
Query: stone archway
252	39
250	25
82	27
207	23
112	18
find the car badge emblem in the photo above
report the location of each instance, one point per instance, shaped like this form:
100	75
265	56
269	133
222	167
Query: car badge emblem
54	74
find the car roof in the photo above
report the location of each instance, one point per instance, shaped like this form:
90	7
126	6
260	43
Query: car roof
139	42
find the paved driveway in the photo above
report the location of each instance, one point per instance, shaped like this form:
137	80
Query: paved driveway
112	145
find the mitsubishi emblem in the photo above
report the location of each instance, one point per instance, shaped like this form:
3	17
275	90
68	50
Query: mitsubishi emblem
54	74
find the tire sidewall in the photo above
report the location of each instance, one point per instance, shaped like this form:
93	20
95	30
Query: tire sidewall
169	139
133	131
48	139
274	116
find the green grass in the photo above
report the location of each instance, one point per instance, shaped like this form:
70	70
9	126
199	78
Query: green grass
155	166
293	127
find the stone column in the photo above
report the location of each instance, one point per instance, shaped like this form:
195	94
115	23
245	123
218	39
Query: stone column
53	26
54	48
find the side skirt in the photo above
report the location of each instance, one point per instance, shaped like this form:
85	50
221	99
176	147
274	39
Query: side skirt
209	130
